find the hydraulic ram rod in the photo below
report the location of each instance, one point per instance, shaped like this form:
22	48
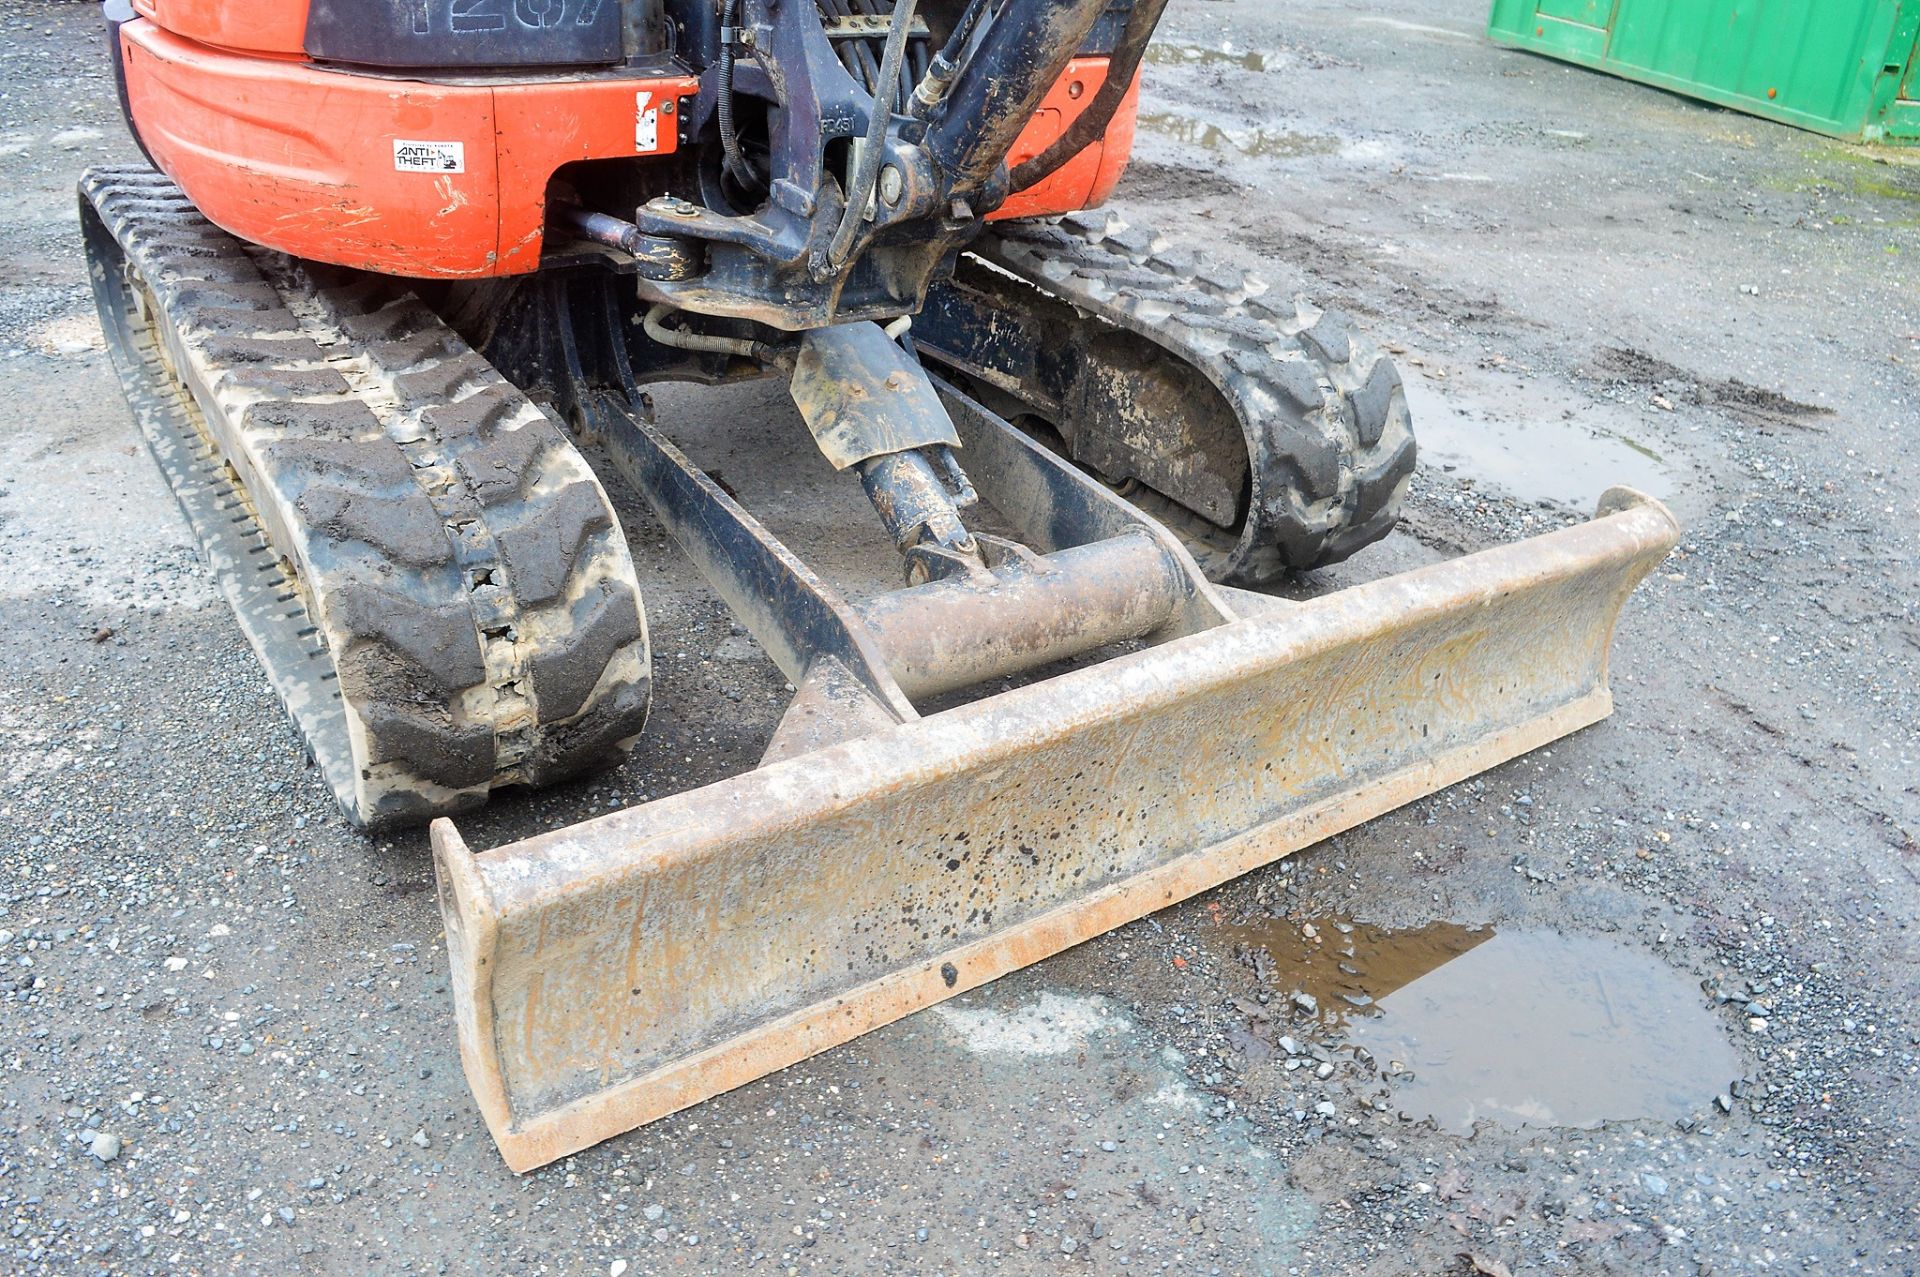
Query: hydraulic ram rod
1030	612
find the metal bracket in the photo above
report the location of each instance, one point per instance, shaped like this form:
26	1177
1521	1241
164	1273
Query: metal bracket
863	396
872	26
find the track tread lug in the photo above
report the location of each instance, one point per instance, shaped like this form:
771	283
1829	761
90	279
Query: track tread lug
603	728
373	465
479	417
405	529
499	469
419	387
438	640
202	294
1332	336
335	420
457	755
1136	242
284	383
394	321
1373	402
1299	380
234	348
241	322
605	623
394	352
542	549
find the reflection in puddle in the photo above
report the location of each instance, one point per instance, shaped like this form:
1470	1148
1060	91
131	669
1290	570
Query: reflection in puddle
1266	143
1544	459
1163	54
1346	966
1516	1027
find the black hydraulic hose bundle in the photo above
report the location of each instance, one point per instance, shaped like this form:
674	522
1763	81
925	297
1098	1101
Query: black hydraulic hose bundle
860	192
1091	124
854	55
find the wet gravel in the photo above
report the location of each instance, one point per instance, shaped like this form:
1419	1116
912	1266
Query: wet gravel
224	1021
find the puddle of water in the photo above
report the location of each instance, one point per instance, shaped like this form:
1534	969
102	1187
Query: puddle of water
1167	54
1264	143
1516	1027
1535	1028
1546	458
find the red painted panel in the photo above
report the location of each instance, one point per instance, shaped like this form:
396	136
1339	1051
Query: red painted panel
543	124
310	161
302	160
1089	177
265	26
316	162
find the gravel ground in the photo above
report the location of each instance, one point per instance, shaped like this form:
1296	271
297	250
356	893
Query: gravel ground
226	1033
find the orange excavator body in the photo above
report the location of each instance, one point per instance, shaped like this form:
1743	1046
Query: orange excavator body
442	175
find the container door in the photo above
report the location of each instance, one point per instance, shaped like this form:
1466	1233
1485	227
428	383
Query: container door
1902	118
1588	13
1574	29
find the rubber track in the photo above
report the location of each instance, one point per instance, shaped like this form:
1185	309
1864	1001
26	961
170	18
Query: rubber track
464	602
1324	413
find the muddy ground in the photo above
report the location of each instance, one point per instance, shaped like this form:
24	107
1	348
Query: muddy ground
208	977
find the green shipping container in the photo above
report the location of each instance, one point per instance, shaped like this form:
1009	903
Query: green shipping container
1841	67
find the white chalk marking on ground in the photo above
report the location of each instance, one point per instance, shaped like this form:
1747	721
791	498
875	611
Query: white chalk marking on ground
1175	1095
1054	1025
1421	28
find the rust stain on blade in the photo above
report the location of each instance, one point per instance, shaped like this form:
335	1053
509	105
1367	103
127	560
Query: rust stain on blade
776	914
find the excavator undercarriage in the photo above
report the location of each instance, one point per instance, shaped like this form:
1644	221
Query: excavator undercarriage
381	438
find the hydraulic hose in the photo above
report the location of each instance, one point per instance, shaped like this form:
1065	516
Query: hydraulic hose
940	72
704	343
845	50
734	158
1091	124
868	171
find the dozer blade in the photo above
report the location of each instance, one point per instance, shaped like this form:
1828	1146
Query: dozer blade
612	972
